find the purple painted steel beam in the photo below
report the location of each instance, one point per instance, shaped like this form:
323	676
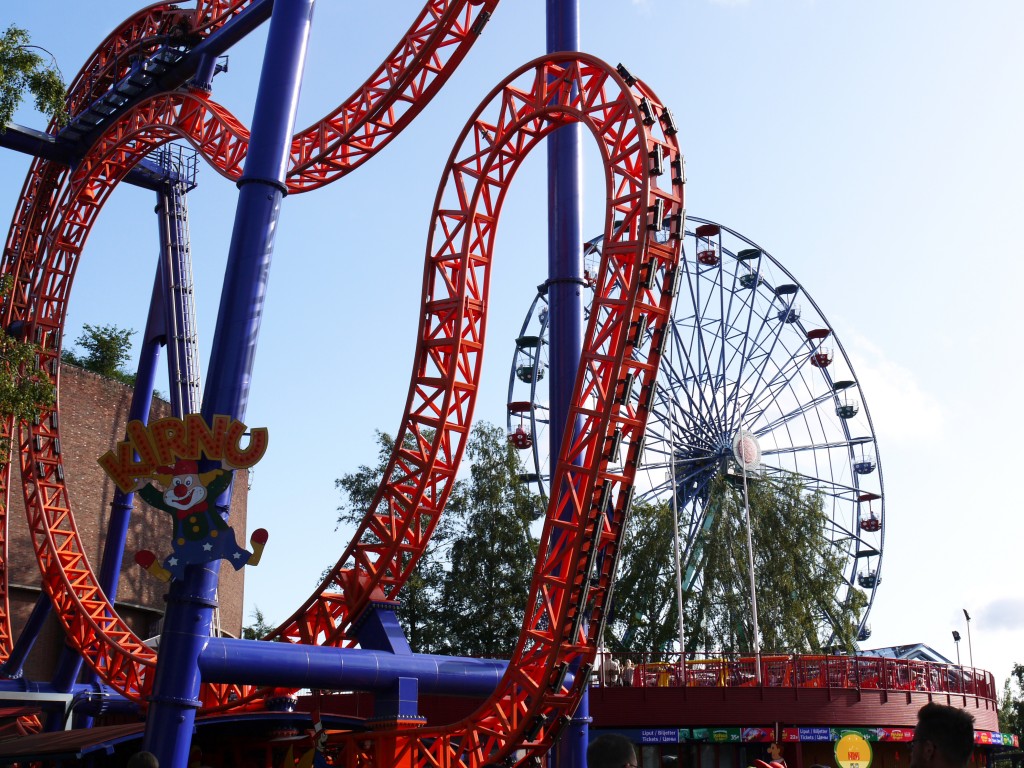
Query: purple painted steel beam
14	667
142	400
145	174
70	663
191	600
565	301
226	660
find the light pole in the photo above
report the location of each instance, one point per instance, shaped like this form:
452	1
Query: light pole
956	639
970	650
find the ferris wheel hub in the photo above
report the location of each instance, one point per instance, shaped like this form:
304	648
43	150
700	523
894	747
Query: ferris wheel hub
746	450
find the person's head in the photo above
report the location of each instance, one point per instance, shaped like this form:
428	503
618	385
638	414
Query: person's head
775	750
143	760
943	738
611	750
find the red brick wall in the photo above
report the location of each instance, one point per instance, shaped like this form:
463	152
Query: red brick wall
93	414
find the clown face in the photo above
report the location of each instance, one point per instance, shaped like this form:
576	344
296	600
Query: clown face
185	492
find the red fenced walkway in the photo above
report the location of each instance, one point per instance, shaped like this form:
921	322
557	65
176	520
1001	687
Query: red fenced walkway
793	671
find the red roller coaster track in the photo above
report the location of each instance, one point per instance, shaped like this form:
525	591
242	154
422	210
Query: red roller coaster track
438	40
635	137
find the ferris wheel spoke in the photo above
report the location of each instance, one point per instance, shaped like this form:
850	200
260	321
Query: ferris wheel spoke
693	283
670	406
760	384
740	358
849	443
691	378
794	366
817	484
802	409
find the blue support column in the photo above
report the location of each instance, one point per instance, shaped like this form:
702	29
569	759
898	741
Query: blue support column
565	300
70	663
191	600
14	667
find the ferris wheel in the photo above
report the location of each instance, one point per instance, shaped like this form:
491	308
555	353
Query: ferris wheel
751	362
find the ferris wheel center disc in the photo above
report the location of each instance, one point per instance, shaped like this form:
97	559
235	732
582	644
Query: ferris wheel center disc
746	450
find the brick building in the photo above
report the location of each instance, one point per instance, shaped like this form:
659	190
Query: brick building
93	414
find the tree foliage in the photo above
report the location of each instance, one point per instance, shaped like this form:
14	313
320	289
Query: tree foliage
23	391
23	70
798	574
467	593
492	552
259	628
107	349
645	614
1011	703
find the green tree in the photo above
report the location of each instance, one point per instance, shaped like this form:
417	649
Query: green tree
492	551
259	628
23	70
797	571
1011	703
644	607
23	391
106	350
468	592
418	609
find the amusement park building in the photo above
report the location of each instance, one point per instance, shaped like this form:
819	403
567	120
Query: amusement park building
721	717
93	412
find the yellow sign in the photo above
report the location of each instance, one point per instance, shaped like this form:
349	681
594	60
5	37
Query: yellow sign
160	443
853	751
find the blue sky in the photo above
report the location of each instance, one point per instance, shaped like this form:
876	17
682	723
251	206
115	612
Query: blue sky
874	148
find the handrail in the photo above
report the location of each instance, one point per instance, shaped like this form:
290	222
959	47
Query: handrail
723	670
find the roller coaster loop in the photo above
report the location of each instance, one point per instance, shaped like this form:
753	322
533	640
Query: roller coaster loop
583	528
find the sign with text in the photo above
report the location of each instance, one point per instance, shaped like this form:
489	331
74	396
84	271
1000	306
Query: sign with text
853	751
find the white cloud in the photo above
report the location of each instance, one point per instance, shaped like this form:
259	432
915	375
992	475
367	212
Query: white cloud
901	409
1005	613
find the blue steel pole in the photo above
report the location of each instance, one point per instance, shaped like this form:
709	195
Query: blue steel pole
70	663
565	301
191	600
14	667
142	401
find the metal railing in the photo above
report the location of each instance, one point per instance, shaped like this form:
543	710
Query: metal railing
791	671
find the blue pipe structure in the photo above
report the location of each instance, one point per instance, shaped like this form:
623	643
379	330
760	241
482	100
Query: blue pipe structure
565	301
191	601
92	699
14	667
226	660
142	401
70	663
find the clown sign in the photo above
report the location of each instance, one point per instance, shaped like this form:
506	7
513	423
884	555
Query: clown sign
169	452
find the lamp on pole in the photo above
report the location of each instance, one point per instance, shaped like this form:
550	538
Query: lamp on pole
970	650
956	639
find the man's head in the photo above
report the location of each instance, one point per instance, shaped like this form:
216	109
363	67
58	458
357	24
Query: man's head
610	750
943	738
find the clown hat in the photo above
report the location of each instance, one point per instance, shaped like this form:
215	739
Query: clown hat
181	467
